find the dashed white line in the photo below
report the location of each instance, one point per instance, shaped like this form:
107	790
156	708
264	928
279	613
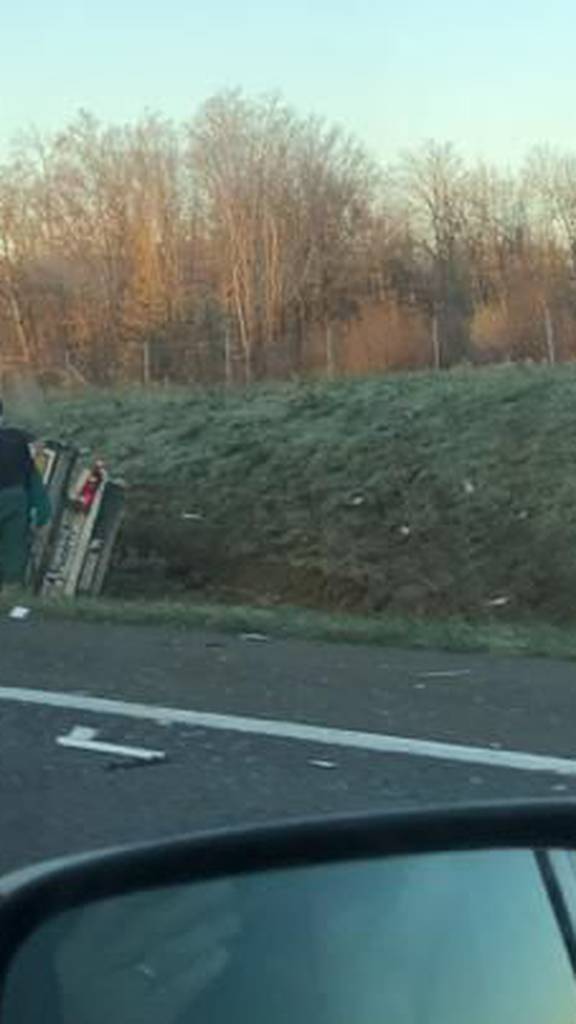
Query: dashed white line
287	730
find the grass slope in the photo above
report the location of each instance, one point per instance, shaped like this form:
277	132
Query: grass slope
448	494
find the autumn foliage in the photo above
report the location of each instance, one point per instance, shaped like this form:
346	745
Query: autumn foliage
253	242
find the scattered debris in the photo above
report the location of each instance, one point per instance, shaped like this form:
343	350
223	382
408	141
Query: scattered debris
82	733
469	487
405	531
446	674
322	764
356	500
82	738
255	638
19	612
147	971
523	514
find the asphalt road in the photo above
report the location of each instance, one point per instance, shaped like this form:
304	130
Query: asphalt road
55	799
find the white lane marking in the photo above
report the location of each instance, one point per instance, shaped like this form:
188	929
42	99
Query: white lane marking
328	736
82	738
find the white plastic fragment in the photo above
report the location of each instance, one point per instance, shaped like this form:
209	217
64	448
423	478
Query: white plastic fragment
19	612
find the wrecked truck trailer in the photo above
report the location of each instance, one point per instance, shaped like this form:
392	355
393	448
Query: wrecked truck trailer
56	463
72	556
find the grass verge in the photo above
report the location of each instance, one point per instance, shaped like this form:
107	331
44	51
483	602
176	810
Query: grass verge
429	495
535	639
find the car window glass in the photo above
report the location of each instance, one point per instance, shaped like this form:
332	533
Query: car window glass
420	940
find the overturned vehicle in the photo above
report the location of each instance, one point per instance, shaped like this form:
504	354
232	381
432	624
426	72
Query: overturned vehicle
72	555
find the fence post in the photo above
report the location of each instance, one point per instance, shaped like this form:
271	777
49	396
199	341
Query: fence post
435	340
146	362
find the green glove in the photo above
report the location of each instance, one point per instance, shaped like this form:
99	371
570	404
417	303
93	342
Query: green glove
38	500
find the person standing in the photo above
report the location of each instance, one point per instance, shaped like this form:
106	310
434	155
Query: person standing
22	495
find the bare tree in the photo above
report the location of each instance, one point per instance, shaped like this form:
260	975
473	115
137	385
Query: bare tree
253	241
284	201
433	183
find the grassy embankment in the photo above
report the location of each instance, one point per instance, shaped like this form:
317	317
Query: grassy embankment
432	509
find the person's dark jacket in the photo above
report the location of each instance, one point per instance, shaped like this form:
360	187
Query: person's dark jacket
16	464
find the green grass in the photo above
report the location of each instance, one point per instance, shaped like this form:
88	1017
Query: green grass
410	496
532	639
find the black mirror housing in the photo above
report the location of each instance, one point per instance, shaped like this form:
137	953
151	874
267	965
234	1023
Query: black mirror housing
282	870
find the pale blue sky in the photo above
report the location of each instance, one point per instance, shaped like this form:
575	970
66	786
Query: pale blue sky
495	77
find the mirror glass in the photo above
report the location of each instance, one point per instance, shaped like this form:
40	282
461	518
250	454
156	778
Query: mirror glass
462	938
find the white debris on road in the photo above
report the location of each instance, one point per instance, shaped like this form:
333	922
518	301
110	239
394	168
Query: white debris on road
499	602
446	674
19	612
83	738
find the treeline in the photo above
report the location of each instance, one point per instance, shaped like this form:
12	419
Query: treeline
252	242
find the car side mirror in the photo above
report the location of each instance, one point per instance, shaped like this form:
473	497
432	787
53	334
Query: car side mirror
439	916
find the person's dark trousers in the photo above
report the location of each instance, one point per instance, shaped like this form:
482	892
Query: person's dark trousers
14	535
